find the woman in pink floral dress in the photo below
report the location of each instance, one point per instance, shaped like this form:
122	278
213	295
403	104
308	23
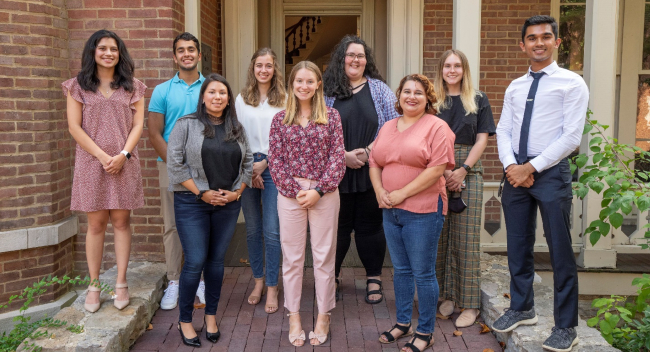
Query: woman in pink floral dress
105	108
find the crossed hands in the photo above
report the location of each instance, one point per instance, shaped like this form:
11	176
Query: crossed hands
219	197
520	175
387	200
307	199
113	164
356	158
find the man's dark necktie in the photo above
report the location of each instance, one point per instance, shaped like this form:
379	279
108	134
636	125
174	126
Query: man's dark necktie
528	113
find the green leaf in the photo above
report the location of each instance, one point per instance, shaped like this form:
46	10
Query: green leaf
587	128
596	186
597	158
610	179
581	160
626	208
625	185
595	140
616	220
592	322
605	328
582	191
573	167
605	202
643	203
595	149
594	237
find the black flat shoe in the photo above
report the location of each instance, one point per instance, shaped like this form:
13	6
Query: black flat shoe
212	337
193	342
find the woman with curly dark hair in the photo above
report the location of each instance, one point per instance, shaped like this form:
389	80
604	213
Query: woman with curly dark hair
105	109
354	87
406	168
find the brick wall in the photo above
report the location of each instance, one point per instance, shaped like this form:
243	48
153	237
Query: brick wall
211	31
35	163
501	59
19	269
148	28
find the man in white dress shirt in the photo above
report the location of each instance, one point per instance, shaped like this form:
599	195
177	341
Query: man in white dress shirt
541	124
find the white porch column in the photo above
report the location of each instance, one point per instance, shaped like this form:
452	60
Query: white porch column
600	74
467	34
193	20
240	39
404	39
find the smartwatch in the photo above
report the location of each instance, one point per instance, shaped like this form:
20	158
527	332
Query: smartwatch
126	154
320	191
466	167
199	195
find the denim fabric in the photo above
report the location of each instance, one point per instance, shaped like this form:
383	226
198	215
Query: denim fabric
205	232
263	220
412	240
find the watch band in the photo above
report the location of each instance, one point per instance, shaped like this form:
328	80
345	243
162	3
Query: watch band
320	191
126	154
199	195
466	167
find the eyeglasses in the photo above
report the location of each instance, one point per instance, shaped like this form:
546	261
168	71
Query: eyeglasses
352	56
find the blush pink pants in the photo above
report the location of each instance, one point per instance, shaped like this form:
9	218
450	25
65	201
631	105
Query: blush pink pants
323	223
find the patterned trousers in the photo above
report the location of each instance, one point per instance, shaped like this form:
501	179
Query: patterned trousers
458	266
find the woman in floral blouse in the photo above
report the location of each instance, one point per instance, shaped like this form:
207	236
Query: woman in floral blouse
307	162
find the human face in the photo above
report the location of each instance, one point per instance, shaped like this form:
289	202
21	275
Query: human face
452	71
264	69
305	84
186	56
107	54
413	99
539	44
215	98
355	65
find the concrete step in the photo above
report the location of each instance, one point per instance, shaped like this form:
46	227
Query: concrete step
109	329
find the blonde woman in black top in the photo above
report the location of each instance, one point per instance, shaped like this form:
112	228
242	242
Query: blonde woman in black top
468	113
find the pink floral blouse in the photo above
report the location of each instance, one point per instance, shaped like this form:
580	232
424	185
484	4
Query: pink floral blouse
315	152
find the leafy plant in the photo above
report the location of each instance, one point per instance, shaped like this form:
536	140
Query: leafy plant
25	328
617	318
607	168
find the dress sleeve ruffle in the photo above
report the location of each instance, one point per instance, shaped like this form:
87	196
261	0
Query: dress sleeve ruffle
139	89
73	88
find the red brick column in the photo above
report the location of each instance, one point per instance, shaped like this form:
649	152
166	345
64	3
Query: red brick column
35	148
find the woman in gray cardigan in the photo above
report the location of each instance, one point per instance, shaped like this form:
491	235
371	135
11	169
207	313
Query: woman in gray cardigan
209	164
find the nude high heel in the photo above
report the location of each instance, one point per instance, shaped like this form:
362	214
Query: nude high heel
121	304
94	306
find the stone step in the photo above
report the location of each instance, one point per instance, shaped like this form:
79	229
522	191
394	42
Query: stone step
109	329
495	282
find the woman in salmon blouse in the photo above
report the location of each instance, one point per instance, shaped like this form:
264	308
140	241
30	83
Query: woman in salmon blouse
407	162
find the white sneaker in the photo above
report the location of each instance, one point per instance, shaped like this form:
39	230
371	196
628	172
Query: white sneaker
200	292
170	299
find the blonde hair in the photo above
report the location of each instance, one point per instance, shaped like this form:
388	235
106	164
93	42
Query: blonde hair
318	106
467	92
428	90
276	94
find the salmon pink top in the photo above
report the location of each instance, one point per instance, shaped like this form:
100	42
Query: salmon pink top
403	156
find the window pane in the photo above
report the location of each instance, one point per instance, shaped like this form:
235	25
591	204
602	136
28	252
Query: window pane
646	38
572	31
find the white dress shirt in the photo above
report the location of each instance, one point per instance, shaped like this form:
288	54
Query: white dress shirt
257	122
557	121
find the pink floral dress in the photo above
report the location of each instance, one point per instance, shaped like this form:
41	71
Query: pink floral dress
108	122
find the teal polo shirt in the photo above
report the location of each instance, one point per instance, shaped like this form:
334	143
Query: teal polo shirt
175	99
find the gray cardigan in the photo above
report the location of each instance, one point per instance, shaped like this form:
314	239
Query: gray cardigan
184	159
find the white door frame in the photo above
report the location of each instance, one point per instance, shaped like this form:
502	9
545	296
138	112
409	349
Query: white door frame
405	32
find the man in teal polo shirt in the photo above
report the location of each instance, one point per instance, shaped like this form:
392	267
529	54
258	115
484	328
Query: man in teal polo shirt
170	101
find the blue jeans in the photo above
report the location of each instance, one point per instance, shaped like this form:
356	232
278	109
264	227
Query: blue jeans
263	220
205	232
412	240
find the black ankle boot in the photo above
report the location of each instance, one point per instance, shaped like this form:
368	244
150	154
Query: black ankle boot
194	342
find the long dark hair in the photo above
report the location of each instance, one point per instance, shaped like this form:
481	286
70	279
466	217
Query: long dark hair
123	76
234	129
336	82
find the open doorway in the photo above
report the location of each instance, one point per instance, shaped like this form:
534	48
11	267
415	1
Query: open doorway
314	37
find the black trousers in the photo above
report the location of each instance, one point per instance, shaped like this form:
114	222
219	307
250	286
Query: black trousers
551	192
360	212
